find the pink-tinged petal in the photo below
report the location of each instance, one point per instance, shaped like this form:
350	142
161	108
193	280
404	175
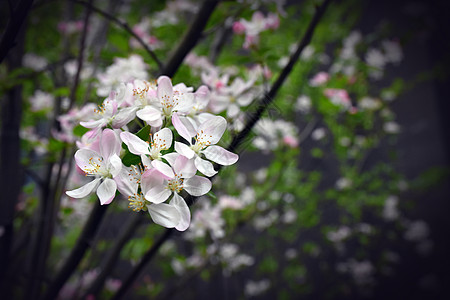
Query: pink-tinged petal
204	167
170	158
163	139
197	185
90	162
84	190
150	115
185	214
110	144
202	95
213	129
126	182
183	102
164	169
184	150
134	143
150	179
106	191
165	90
123	117
115	165
220	155
245	99
146	162
110	107
219	103
164	214
184	167
185	129
94	123
233	110
158	194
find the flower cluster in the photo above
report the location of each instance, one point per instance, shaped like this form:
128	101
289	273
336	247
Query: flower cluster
150	168
255	26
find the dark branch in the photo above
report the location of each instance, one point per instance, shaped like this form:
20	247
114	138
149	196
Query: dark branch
190	38
83	243
125	26
12	29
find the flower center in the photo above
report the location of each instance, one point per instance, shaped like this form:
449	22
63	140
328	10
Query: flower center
176	184
136	202
95	167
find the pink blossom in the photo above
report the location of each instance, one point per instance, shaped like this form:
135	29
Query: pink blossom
238	27
319	79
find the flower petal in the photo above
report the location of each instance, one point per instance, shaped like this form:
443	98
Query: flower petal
184	150
106	191
164	169
184	128
110	144
163	139
158	194
185	214
115	165
84	190
197	185
150	115
213	129
204	167
220	155
90	162
165	91
123	117
164	214
134	143
126	183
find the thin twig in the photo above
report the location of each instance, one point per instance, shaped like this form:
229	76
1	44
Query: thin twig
125	26
80	59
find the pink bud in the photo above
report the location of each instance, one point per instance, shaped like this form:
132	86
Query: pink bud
238	27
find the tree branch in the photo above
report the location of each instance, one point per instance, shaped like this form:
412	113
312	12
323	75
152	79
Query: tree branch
190	38
78	252
125	26
12	29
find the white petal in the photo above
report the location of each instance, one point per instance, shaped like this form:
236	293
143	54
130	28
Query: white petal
163	138
94	123
110	144
146	162
197	185
84	190
184	167
185	129
204	167
115	165
164	214
90	161
123	117
150	115
165	91
158	194
164	169
134	143
150	179
220	155
213	129
106	191
184	150
126	184
185	214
